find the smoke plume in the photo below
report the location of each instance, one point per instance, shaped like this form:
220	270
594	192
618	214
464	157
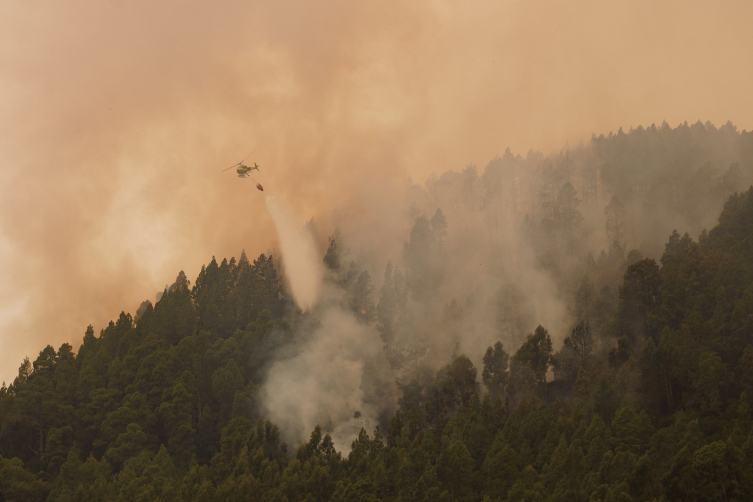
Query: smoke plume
323	383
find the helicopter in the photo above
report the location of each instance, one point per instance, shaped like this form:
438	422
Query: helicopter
244	170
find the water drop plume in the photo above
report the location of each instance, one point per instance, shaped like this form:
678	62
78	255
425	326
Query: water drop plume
299	255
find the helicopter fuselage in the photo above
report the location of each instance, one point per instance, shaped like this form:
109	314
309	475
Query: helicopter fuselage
243	170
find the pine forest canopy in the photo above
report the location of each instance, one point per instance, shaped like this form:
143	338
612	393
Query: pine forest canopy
646	393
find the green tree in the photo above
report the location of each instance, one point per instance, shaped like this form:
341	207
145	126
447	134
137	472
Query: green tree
438	228
90	480
128	445
226	382
421	276
495	374
178	420
640	296
584	301
19	485
454	467
567	215
717	462
361	299
580	341
332	257
501	467
706	382
531	362
615	213
388	306
460	381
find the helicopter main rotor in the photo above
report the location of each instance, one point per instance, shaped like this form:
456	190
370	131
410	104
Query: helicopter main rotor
239	163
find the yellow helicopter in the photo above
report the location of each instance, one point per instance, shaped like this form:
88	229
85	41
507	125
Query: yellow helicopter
243	169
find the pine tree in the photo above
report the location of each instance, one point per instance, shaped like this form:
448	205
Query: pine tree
495	374
580	341
615	213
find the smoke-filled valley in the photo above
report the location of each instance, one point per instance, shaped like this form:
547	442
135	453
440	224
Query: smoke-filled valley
565	326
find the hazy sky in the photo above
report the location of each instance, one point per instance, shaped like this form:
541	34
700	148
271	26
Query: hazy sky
116	118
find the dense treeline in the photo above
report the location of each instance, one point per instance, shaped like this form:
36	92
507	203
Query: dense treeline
174	376
652	180
648	398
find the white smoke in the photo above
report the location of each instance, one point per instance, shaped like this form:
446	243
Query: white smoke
322	384
302	264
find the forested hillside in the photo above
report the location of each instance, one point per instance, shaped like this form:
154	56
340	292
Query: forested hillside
647	397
